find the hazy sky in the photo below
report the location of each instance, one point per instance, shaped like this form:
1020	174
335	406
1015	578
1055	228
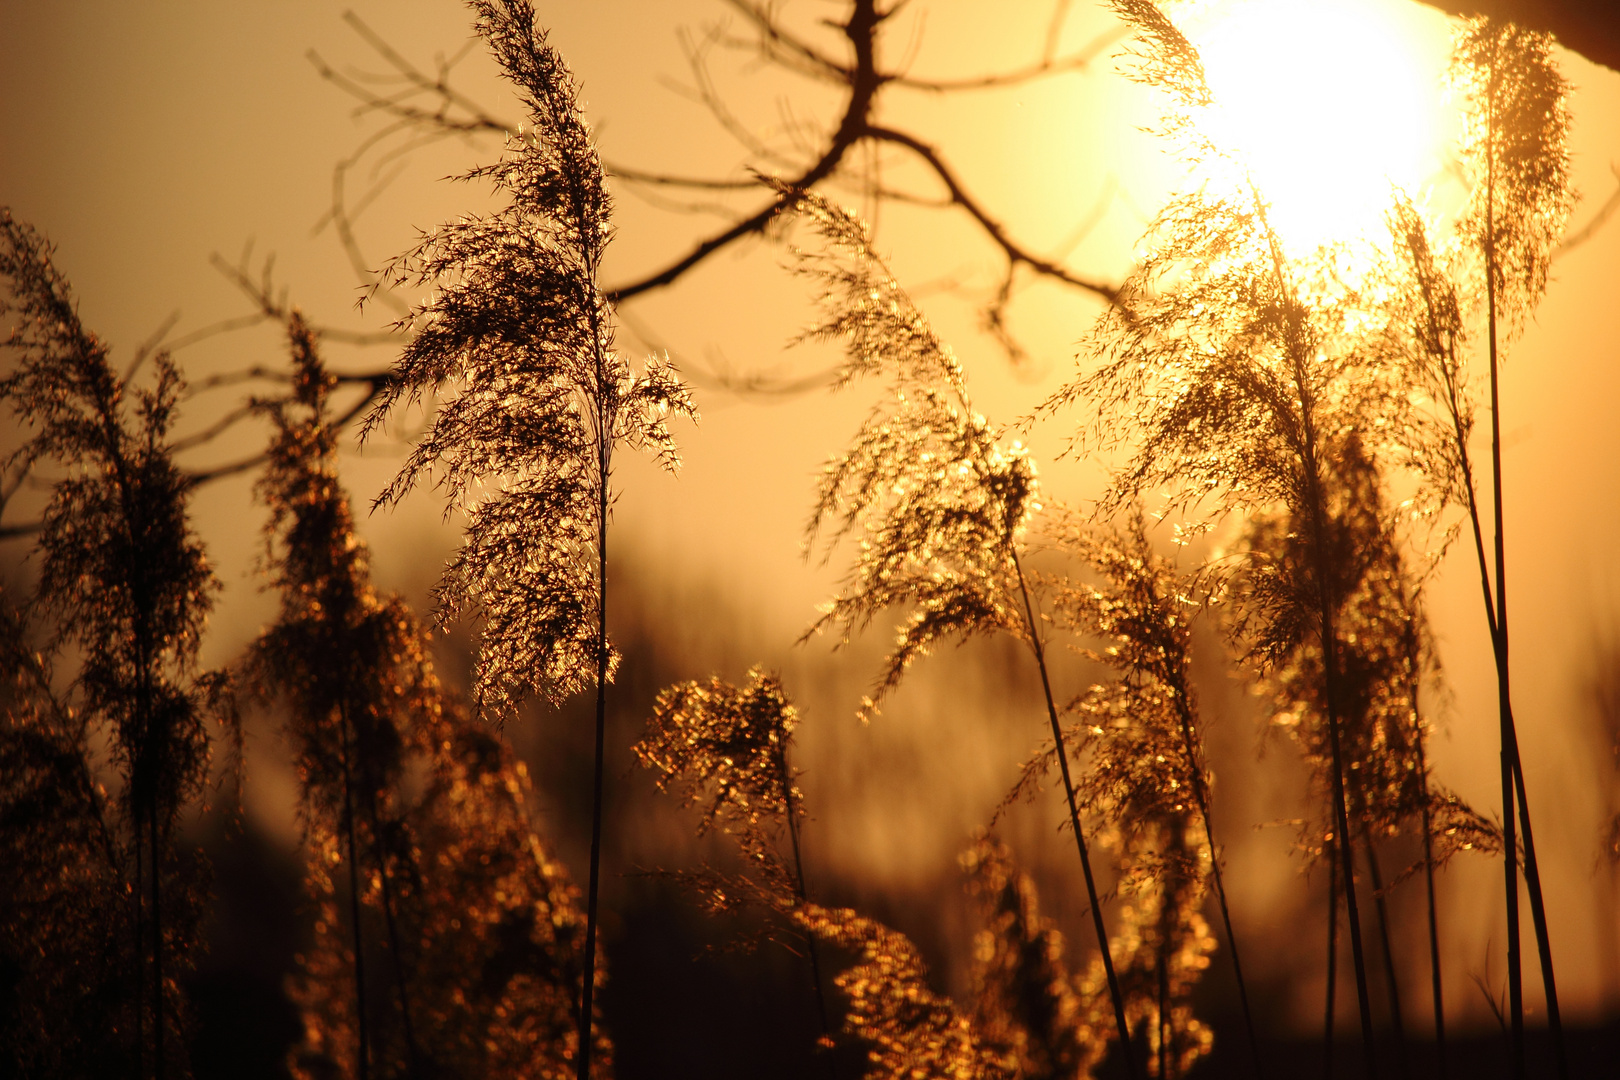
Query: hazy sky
142	138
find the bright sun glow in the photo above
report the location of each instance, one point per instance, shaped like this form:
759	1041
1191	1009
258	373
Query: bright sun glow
1328	103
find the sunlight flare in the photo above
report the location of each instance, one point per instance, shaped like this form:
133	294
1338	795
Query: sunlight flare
1327	104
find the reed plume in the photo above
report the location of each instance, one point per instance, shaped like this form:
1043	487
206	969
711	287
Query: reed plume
938	504
911	1030
479	927
726	748
1030	1018
1226	372
1386	660
334	658
125	579
1146	782
516	346
1516	160
1038	1017
65	1008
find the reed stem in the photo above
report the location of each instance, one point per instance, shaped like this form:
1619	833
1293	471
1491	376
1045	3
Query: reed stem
1074	820
1393	981
1332	959
804	897
1434	926
363	1049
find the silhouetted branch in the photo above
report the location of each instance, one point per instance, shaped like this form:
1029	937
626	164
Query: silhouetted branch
274	307
1599	219
997	233
1047	65
417	99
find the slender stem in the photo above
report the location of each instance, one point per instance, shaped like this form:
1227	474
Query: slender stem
1512	766
1381	903
1538	917
1510	873
803	894
395	945
1178	685
1300	353
362	1032
1332	959
601	394
587	989
140	955
1412	645
159	1026
1499	640
1434	925
1341	809
1074	820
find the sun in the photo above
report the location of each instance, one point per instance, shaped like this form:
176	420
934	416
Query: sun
1326	104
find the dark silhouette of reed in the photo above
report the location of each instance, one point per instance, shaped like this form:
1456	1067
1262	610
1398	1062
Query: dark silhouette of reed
125	582
481	930
1514	151
1225	374
1030	1017
938	504
1146	733
1386	659
517	345
66	1009
332	656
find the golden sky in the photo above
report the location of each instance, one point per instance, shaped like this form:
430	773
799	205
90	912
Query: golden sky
144	138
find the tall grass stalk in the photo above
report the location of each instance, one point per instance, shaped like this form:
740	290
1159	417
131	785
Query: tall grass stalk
518	346
1437	996
1033	630
1524	163
1515	152
125	578
1226	374
1391	975
1139	772
1386	658
1410	638
939	504
1329	1008
1144	610
329	657
480	929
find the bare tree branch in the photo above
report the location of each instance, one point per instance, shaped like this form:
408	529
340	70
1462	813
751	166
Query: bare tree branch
416	98
992	228
1598	220
1045	66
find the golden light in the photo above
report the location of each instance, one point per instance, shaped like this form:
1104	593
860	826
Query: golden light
1326	103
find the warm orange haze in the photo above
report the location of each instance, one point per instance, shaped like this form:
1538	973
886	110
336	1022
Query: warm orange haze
1086	495
1348	105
